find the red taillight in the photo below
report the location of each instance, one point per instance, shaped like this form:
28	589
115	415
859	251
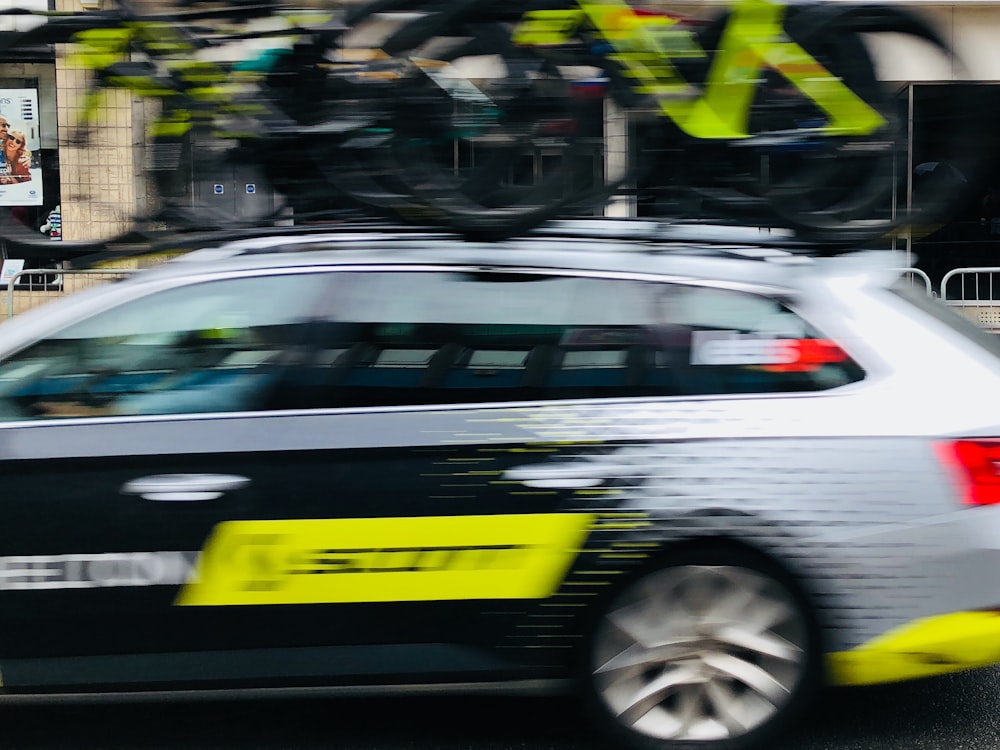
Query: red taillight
976	465
804	355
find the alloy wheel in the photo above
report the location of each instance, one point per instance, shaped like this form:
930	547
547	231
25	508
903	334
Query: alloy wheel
700	653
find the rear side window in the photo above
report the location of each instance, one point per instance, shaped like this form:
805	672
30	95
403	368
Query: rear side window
415	337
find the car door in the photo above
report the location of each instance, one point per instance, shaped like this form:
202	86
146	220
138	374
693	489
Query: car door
127	438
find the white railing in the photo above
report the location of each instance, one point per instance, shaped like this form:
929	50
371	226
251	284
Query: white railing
914	274
975	293
24	293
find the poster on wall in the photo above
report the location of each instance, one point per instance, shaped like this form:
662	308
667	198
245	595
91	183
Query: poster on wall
20	170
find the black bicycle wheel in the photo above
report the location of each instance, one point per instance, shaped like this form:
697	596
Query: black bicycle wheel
334	89
271	128
848	189
212	138
491	137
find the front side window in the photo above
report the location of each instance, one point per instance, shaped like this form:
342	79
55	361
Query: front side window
212	346
408	337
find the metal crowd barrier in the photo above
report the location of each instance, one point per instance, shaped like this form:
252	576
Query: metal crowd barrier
24	292
975	293
915	274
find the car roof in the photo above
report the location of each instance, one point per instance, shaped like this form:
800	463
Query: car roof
620	246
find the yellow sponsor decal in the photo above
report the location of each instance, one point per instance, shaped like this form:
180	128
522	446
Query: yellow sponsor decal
545	27
923	648
753	41
386	559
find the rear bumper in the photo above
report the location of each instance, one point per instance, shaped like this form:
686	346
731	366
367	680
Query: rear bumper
923	648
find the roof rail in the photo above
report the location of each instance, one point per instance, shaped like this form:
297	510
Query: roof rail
653	229
702	233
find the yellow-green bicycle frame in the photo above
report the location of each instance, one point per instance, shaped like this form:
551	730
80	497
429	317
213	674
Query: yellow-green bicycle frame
754	40
100	49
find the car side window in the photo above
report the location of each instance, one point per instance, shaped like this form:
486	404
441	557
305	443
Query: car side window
217	345
426	337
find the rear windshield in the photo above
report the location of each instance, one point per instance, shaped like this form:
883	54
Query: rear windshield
944	314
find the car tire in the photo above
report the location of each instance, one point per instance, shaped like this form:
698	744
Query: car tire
713	649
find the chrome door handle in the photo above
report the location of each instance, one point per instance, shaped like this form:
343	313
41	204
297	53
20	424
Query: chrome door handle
566	476
184	487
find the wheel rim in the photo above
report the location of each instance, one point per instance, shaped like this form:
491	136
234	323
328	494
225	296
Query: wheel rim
700	652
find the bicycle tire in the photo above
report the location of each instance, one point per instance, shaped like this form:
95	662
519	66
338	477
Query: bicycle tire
786	173
277	133
335	118
210	140
476	196
848	190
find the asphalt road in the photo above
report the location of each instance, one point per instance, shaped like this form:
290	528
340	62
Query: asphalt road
958	712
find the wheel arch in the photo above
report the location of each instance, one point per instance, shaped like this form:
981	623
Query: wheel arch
778	557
